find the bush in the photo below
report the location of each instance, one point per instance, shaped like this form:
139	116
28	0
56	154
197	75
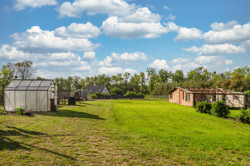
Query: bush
203	107
130	94
93	96
245	116
19	111
220	109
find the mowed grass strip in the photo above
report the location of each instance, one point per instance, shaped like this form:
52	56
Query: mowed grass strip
123	132
166	132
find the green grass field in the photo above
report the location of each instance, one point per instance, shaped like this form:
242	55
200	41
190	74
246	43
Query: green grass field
123	132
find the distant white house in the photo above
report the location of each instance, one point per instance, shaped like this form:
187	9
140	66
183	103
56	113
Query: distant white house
92	90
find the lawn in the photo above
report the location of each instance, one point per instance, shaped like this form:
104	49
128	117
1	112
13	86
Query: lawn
128	132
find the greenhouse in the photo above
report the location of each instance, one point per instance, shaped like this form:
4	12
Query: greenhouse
30	95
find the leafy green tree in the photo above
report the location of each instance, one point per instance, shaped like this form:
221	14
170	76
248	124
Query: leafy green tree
5	77
24	69
115	91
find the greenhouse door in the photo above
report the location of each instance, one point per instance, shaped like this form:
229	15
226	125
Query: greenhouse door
42	101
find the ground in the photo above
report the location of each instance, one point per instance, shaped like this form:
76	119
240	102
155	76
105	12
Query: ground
123	132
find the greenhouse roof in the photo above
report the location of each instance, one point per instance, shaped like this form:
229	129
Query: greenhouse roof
29	85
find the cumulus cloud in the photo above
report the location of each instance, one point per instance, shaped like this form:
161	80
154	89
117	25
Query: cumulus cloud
114	27
124	58
227	33
75	30
22	4
219	49
213	60
180	60
9	53
183	33
110	7
159	64
141	15
90	55
37	40
115	70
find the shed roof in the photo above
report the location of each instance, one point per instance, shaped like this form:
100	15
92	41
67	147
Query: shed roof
29	85
207	91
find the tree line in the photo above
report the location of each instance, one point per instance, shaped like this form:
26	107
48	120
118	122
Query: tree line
150	82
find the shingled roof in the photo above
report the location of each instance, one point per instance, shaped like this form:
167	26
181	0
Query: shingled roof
94	89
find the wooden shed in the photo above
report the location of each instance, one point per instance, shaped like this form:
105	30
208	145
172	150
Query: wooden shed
189	96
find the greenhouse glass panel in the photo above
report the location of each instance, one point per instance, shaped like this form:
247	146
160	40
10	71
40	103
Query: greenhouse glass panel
9	100
20	99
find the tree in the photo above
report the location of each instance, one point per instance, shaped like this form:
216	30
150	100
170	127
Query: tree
115	91
5	77
24	69
178	76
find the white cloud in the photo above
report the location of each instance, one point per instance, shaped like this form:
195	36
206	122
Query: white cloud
229	32
172	27
171	17
246	44
219	49
185	34
110	7
180	60
114	27
90	55
114	70
8	53
141	15
213	60
221	26
125	57
37	40
75	30
159	64
22	4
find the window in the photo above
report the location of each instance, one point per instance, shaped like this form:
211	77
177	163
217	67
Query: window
171	96
213	98
183	94
187	97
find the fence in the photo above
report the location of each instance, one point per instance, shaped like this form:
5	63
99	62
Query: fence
119	97
153	97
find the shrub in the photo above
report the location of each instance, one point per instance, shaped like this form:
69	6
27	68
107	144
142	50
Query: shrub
245	116
19	111
220	109
93	96
130	94
203	107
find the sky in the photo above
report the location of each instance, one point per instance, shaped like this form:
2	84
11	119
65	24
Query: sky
91	37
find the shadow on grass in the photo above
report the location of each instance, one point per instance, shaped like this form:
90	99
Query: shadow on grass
7	143
71	114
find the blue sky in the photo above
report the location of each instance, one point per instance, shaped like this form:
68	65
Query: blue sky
85	38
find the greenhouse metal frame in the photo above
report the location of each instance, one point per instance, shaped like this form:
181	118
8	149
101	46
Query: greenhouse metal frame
30	95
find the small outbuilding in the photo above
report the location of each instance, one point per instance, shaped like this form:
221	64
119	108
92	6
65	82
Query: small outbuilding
30	95
189	96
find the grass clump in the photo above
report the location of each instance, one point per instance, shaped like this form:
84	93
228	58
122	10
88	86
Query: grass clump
19	111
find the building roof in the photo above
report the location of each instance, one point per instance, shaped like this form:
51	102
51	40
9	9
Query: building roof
94	89
206	90
29	85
